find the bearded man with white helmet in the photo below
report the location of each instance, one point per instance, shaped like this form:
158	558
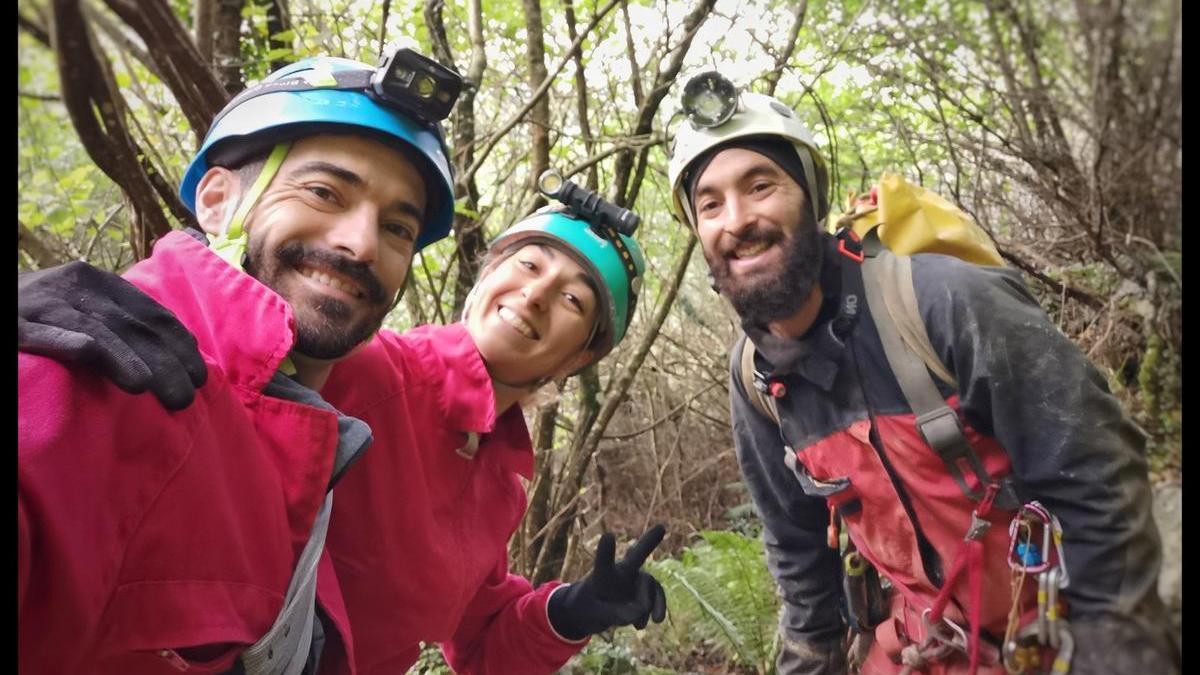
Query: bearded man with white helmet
844	478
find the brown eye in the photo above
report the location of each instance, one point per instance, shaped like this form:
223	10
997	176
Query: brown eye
321	192
402	230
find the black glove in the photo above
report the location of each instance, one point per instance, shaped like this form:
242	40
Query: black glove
78	314
613	594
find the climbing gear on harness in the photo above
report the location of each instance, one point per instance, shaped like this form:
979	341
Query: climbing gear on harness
1027	654
1035	547
969	560
866	604
942	638
1023	550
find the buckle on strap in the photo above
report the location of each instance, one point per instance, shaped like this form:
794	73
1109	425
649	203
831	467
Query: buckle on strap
943	431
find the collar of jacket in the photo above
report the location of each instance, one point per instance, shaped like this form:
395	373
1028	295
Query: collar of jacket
242	326
471	401
815	355
439	369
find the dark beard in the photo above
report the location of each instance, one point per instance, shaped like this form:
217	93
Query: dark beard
782	295
327	335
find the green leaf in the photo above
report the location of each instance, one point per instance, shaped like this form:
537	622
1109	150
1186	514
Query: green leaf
123	80
61	221
285	36
72	179
281	53
460	208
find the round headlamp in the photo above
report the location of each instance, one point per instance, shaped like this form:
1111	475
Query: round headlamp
550	182
709	99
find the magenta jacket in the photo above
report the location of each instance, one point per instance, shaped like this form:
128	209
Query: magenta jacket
421	524
142	533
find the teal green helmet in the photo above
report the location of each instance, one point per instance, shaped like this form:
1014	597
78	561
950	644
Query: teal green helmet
326	94
616	269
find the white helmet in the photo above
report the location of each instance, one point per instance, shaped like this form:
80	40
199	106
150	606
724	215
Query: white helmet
754	115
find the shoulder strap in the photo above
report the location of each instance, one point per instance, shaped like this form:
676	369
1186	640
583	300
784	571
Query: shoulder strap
284	650
887	279
762	402
900	297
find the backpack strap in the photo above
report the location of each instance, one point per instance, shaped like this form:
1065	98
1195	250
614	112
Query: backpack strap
753	383
284	650
888	282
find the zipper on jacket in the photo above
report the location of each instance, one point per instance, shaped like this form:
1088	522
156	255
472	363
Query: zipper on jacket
931	561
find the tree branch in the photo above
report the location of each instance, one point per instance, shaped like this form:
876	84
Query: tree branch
495	137
30	243
35	31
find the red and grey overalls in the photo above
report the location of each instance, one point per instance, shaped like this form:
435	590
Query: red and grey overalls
1032	407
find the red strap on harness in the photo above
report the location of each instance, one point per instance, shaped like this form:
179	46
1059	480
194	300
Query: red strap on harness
970	558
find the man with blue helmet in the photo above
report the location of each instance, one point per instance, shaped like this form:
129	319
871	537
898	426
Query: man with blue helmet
153	541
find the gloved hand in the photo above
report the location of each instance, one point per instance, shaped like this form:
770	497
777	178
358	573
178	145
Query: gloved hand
81	315
612	594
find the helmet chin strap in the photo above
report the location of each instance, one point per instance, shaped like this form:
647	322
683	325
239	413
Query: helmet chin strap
233	240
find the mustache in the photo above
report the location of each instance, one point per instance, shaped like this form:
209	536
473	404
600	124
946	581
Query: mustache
757	234
294	254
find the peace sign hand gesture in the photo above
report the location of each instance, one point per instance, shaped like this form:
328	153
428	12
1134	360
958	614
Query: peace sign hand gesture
613	594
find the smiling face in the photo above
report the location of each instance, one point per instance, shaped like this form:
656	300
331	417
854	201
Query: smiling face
758	236
532	315
333	234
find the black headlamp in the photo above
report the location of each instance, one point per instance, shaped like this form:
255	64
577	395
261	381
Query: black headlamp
709	100
405	81
588	205
417	85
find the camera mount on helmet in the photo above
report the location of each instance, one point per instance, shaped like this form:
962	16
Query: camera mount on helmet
405	81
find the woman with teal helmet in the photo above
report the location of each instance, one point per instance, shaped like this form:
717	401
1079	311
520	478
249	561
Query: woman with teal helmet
556	293
611	262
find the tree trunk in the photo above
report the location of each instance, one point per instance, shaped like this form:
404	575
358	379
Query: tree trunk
227	45
179	63
35	248
539	117
581	97
277	22
785	55
649	107
202	25
97	111
468	232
